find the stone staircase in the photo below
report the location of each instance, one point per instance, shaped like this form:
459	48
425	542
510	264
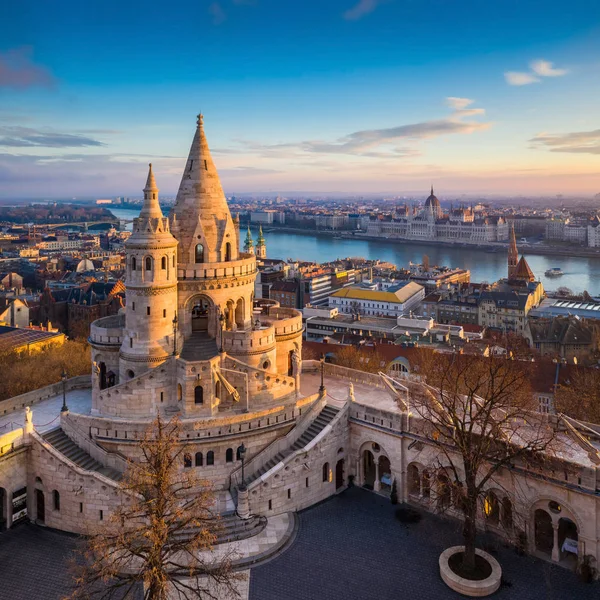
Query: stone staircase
199	346
233	529
323	419
66	446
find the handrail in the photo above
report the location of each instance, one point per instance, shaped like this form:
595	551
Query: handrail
82	439
267	453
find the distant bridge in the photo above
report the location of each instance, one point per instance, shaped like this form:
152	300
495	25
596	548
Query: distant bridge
83	224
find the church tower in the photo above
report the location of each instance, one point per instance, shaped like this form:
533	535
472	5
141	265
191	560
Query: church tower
249	243
513	253
151	282
261	246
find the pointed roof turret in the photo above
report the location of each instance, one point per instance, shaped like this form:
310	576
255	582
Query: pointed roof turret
249	243
523	271
201	206
151	208
261	237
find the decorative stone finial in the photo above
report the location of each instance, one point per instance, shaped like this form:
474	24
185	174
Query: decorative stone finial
200	120
351	392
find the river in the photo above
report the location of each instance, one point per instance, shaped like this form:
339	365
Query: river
580	273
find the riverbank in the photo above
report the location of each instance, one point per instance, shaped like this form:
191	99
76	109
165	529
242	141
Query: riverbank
491	247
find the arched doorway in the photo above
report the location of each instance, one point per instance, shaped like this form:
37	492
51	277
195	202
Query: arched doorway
200	311
239	313
40	506
568	540
368	469
543	532
385	473
414	480
339	474
102	375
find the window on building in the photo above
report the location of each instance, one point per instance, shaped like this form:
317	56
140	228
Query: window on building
210	458
229	455
56	499
163	263
133	263
199	459
325	472
199	254
238	453
198	395
187	460
148	263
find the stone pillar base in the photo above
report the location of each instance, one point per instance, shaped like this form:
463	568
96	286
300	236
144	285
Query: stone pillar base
243	506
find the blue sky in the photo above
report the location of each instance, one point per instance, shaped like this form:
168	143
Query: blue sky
477	96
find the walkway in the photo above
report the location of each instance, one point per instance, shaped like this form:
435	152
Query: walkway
351	546
46	412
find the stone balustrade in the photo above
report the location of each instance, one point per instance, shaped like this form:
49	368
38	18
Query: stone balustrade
246	265
107	331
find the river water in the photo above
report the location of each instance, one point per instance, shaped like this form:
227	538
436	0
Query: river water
579	273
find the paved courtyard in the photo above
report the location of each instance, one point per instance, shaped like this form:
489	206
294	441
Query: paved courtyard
348	547
351	546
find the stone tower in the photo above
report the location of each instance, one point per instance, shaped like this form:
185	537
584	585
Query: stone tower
249	243
151	281
261	246
513	253
215	279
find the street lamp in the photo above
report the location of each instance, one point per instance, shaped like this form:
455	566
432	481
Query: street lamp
64	378
221	321
322	386
242	452
175	322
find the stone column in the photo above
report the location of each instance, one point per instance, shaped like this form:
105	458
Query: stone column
377	483
243	506
555	547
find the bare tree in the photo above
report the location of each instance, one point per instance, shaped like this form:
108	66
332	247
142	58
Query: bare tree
480	415
161	535
580	397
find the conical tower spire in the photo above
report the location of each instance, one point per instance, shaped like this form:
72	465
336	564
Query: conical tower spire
151	208
513	253
261	245
201	207
432	189
249	243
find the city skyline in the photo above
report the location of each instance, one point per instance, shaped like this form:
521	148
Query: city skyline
356	96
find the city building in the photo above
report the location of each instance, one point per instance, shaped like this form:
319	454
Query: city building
394	301
569	337
432	223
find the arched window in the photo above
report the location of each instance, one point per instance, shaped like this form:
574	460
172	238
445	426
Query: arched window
491	508
227	252
56	499
163	263
414	480
325	472
199	254
425	484
238	453
187	460
507	513
198	395
148	263
179	392
210	458
229	455
199	459
133	263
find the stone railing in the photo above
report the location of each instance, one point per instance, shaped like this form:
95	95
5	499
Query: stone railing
312	407
85	441
108	331
386	419
35	396
11	441
350	375
284	320
244	341
246	265
262	383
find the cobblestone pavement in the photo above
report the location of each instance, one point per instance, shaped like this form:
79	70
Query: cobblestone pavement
35	563
352	547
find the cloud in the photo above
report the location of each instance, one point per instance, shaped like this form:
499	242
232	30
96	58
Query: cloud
18	71
217	13
390	142
517	78
363	8
539	68
580	142
458	103
24	137
545	68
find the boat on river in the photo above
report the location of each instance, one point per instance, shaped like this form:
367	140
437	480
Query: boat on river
554	272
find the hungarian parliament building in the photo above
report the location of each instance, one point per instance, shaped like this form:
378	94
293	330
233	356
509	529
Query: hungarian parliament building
432	223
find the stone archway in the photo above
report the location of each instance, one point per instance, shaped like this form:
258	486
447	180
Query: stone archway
543	532
339	474
368	461
200	312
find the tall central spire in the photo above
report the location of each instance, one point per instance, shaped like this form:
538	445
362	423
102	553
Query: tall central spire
151	208
513	253
201	208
